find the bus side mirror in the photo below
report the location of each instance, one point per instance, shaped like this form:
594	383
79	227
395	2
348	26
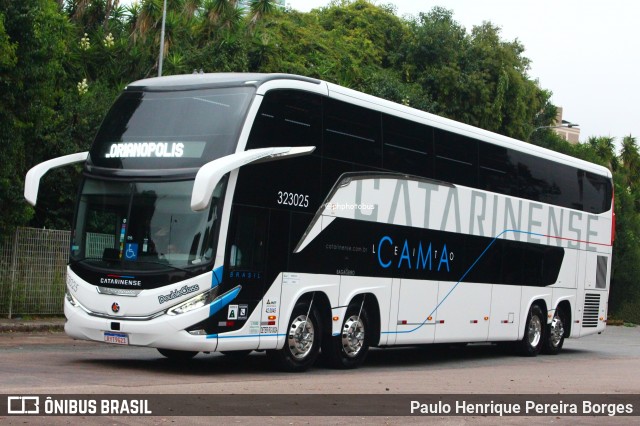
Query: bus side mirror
210	174
32	180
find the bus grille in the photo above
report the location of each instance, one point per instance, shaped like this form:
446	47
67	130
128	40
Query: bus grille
591	309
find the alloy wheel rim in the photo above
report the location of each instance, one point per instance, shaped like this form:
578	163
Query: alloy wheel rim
535	331
300	337
353	336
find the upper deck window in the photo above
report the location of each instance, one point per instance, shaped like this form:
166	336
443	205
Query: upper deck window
170	129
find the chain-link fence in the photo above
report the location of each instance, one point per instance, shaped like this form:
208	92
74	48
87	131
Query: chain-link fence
33	272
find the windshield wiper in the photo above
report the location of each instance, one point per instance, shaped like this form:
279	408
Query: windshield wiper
82	259
153	262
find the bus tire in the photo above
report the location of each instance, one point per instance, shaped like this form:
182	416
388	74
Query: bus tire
175	355
302	342
534	333
349	349
555	333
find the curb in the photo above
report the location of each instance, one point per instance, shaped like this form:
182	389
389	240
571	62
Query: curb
12	326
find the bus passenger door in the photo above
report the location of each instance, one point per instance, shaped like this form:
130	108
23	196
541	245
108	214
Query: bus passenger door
417	299
245	260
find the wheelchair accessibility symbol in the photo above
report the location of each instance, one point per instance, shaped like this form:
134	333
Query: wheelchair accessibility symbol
131	251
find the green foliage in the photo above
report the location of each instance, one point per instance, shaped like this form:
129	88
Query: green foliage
35	37
474	77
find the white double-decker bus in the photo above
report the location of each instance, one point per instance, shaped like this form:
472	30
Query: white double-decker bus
239	212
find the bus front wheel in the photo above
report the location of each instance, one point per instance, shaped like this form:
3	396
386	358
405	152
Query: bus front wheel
349	349
534	333
302	343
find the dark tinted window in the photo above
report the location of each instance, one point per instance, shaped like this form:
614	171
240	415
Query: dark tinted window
352	133
248	241
176	129
498	169
407	146
548	182
597	192
287	118
456	158
288	183
353	138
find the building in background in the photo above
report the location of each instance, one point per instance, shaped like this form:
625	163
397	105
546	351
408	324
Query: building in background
566	129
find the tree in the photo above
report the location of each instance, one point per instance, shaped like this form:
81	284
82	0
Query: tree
630	159
35	35
605	147
476	77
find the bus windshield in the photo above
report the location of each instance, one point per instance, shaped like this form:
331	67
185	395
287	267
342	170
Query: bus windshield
144	226
170	129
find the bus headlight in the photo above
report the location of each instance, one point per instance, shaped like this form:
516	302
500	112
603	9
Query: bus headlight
195	302
72	300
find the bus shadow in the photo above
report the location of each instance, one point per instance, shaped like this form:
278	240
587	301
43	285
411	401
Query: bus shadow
210	363
435	354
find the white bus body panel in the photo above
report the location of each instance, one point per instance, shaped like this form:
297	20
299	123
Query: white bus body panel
504	322
417	300
462	312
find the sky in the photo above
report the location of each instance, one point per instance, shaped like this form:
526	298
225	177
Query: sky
586	52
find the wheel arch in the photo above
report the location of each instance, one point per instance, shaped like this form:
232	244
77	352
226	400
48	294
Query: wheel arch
372	306
322	304
536	301
565	305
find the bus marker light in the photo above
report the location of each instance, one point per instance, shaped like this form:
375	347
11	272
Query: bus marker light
272	317
486	318
430	318
336	318
271	323
473	321
505	321
441	321
231	323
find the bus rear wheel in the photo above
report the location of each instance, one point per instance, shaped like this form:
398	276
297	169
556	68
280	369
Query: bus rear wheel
534	333
176	355
302	343
349	349
555	333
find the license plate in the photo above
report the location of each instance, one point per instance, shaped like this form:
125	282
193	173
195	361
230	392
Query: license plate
117	338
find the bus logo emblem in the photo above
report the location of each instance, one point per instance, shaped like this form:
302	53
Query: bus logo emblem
115	307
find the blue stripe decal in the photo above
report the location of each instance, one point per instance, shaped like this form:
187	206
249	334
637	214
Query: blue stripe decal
223	300
462	279
217	277
242	336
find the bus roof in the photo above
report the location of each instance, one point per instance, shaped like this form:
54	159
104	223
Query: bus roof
202	81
